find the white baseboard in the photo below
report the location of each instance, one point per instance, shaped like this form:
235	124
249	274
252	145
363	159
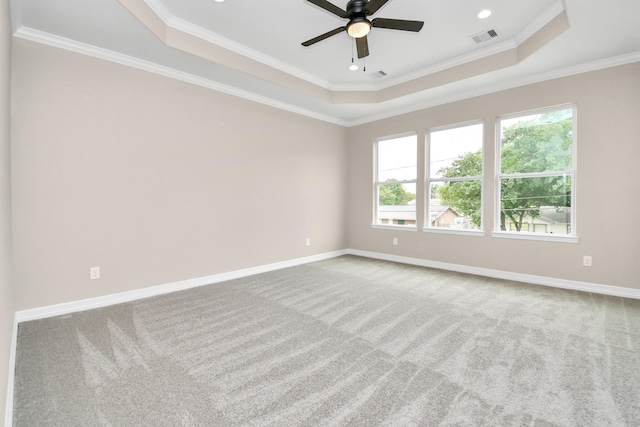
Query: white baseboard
506	275
90	303
8	412
87	304
71	307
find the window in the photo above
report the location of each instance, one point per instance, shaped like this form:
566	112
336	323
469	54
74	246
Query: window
536	178
454	178
396	174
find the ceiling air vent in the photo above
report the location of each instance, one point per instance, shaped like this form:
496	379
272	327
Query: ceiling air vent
484	36
379	74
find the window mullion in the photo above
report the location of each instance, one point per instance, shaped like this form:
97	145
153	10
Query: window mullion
536	174
411	181
456	179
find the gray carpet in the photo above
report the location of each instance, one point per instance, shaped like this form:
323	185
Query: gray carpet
348	341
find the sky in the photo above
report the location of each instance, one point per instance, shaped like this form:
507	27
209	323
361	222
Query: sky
448	144
397	157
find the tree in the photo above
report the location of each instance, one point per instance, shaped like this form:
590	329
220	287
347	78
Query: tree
541	145
394	194
463	196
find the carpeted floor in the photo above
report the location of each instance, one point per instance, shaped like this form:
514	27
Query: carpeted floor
348	341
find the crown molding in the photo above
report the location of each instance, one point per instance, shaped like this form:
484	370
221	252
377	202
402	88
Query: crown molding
536	25
505	85
179	24
453	62
189	38
129	61
160	10
107	55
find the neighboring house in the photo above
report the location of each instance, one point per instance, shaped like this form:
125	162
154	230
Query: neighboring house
552	220
444	216
397	214
441	216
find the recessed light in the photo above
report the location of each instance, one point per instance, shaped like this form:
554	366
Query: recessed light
219	1
353	67
484	14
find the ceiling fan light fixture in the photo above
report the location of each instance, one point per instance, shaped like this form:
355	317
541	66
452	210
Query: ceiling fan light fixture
484	14
358	27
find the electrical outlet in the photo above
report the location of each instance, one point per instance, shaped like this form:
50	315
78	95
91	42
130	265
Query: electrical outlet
94	273
308	242
395	241
587	261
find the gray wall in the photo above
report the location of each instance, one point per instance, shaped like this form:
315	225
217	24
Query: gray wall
6	295
157	181
608	125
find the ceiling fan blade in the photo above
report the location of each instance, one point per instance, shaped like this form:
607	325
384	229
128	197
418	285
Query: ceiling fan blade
324	36
363	47
330	7
397	24
373	6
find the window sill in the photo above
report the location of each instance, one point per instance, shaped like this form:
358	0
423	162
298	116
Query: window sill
535	236
459	232
394	227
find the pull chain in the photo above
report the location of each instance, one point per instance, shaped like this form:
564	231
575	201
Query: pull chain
352	45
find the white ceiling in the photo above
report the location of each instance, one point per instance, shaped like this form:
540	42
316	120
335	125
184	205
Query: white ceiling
270	33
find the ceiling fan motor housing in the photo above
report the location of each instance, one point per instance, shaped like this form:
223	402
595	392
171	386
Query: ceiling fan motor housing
358	18
356	8
359	25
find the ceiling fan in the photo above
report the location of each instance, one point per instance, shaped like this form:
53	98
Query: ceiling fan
359	26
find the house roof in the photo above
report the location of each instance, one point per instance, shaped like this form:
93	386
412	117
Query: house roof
436	211
407	212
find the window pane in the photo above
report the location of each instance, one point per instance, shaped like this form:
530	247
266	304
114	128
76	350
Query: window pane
537	143
539	205
456	152
397	159
397	204
464	210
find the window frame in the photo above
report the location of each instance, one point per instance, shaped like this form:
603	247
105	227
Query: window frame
428	181
571	172
377	183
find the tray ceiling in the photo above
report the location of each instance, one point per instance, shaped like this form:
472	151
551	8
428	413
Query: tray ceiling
252	48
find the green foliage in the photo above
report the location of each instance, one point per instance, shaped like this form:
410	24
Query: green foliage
542	145
468	164
394	195
463	196
524	196
536	146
